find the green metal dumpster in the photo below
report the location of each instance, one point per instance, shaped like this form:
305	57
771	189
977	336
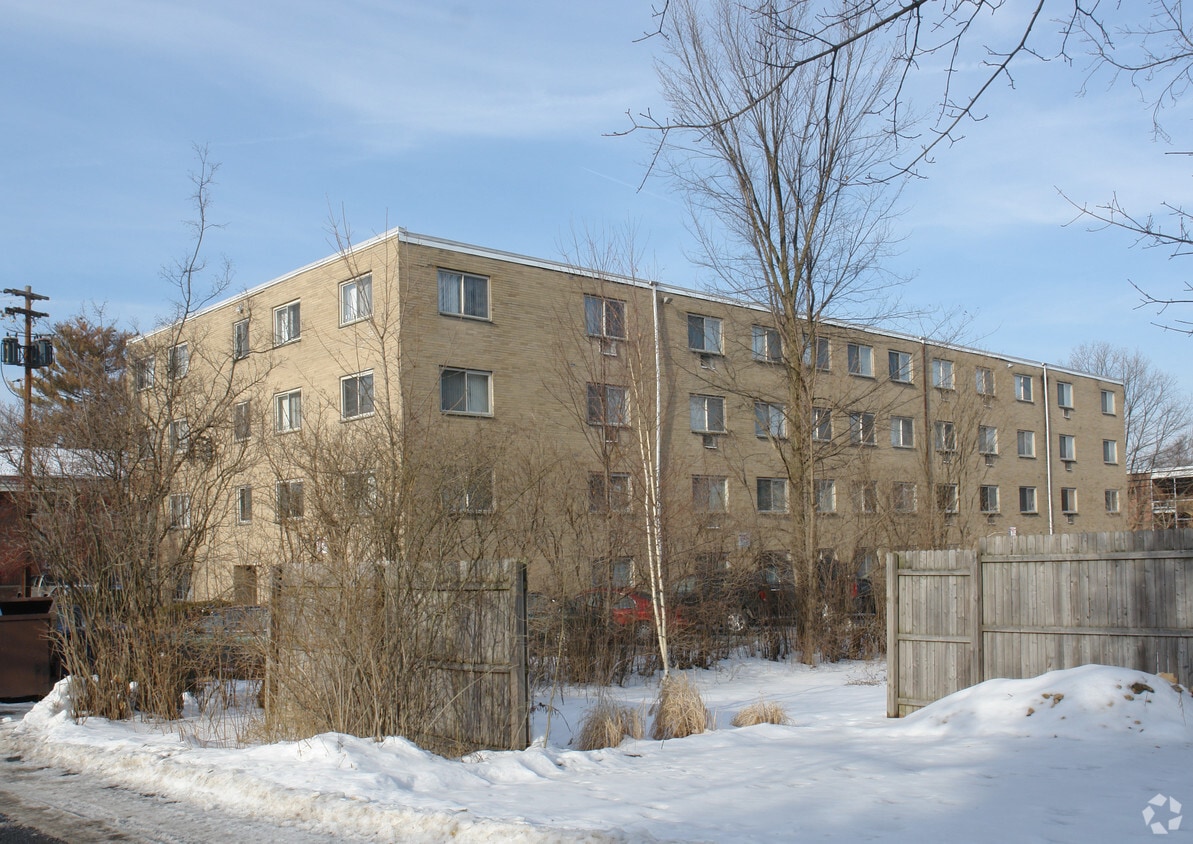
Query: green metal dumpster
26	648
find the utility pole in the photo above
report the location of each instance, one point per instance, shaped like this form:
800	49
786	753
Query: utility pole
31	356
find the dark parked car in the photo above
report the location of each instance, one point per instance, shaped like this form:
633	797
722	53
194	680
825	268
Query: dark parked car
736	600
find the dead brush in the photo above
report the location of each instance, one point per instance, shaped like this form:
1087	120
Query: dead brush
761	712
606	725
679	710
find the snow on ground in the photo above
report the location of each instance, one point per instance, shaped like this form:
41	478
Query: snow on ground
1069	756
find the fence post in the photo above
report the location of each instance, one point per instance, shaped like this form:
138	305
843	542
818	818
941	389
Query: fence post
977	588
892	635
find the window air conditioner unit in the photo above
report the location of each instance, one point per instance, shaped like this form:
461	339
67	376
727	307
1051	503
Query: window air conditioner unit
1068	465
609	347
709	440
707	361
1068	412
611	434
989	459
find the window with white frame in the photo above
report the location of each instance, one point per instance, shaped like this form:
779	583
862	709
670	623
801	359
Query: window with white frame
826	495
984	381
1112	501
1068	447
822	424
604	318
1064	395
180	436
772	495
817	352
944	436
942	374
861	429
860	360
710	493
607	405
865	496
1068	500
244	505
463	294
770	420
240	339
608	493
287	411
242	421
470	492
707	414
704	334
356	395
899	366
1026	442
987	439
1023	389
988	498
356	299
287	323
180	510
902	432
1108	402
1110	451
289	500
903	497
768	348
1027	499
465	391
178	360
947	498
143	371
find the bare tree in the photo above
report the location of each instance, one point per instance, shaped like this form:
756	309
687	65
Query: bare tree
1157	415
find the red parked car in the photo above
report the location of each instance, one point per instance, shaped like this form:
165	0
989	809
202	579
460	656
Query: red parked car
622	608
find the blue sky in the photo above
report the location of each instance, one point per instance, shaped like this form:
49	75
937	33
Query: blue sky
487	123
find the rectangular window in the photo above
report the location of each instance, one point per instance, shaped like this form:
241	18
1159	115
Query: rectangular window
988	499
772	495
822	424
1027	499
607	405
1064	395
180	436
143	373
287	323
242	421
1068	447
244	505
1110	451
1112	501
899	366
356	395
180	511
1023	388
240	339
826	496
704	334
865	497
465	391
1027	443
902	432
608	493
472	492
861	429
287	411
767	346
818	352
462	294
244	585
984	381
1068	500
861	360
289	500
178	361
987	440
947	499
356	299
360	492
903	497
942	374
707	414
770	420
604	318
1108	402
945	436
709	494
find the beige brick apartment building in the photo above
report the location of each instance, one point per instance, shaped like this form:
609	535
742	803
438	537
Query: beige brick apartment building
467	402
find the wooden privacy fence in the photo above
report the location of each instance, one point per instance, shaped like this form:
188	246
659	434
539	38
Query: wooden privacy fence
1022	605
434	653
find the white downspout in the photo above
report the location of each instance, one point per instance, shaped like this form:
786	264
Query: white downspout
1048	447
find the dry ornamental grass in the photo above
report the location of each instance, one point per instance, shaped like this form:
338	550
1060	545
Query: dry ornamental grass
606	725
760	712
679	711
